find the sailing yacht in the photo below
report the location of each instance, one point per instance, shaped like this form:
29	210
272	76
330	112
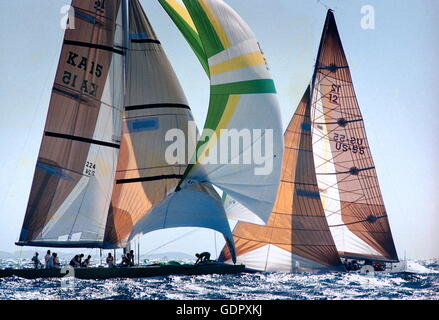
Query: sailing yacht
102	178
329	205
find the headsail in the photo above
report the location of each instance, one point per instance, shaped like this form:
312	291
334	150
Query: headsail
243	100
74	174
345	170
297	236
144	199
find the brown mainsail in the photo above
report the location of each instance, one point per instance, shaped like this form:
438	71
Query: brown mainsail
68	203
345	169
297	236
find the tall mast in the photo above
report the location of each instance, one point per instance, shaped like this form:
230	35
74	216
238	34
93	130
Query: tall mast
126	35
126	38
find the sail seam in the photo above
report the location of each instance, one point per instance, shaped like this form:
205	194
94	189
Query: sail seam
336	122
145	41
284	243
258	86
344	172
304	150
61	244
157	105
370	219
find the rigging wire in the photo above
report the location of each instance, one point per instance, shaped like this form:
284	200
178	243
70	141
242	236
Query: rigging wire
325	5
169	242
36	111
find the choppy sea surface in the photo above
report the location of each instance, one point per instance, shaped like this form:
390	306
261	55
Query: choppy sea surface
258	286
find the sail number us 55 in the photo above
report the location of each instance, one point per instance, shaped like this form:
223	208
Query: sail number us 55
352	144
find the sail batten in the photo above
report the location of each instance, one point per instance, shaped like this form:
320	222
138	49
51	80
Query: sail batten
72	183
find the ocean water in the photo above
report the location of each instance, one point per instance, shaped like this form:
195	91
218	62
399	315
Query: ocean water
258	286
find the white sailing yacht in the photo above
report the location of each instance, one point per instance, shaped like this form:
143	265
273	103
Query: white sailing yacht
102	177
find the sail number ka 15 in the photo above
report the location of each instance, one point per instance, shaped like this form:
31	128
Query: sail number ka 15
82	63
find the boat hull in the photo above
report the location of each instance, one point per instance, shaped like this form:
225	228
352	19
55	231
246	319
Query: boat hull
131	272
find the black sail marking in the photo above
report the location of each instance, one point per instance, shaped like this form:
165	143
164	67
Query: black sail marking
146	179
81	139
145	41
156	106
93	46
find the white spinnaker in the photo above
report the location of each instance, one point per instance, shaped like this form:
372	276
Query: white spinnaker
197	205
237	211
345	240
83	214
241	181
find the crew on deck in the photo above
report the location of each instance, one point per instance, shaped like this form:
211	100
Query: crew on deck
125	260
80	259
202	257
379	266
110	260
36	261
52	260
47	258
56	263
86	262
131	258
75	262
351	265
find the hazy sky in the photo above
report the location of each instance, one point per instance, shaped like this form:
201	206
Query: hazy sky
394	69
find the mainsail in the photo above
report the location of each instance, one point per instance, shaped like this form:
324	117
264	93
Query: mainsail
345	170
242	101
297	236
329	204
74	174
